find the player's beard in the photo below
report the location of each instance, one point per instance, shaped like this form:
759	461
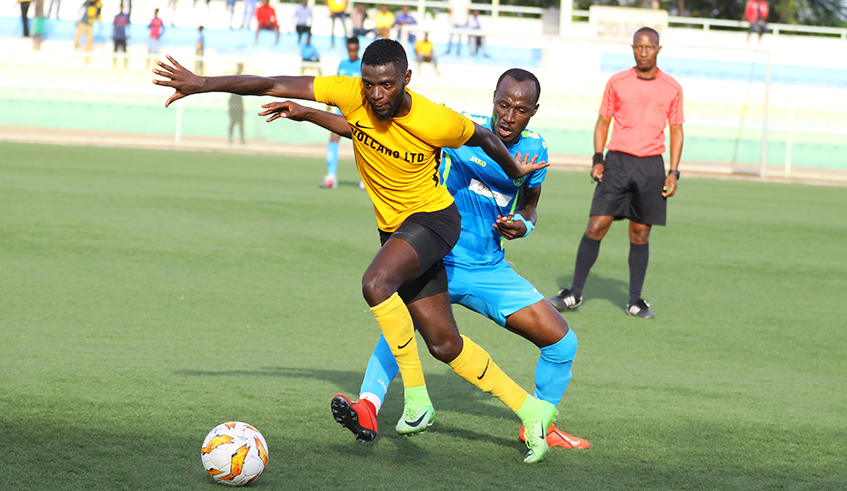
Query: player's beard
389	110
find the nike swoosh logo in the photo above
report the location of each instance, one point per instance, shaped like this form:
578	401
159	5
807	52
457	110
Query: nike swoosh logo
572	442
486	369
363	127
417	422
406	344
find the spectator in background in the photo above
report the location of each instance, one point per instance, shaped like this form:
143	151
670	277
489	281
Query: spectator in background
24	18
404	19
303	20
172	5
156	29
85	26
230	6
308	52
476	41
337	11
236	110
756	13
459	16
249	10
38	25
358	18
351	67
266	20
120	27
199	51
384	22
425	52
58	4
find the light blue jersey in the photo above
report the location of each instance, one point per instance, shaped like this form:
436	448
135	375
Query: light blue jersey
478	275
350	68
482	191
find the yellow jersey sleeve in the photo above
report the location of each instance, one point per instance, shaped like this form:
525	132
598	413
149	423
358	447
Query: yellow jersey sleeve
437	124
340	91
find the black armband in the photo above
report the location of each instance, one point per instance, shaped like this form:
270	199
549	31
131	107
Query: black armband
598	158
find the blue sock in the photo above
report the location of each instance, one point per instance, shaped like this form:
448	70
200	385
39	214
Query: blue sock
382	369
553	371
332	158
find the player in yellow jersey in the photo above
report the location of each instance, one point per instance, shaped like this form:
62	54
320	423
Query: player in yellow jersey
397	134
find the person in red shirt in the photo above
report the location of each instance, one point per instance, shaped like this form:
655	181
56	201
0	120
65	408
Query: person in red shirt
631	180
756	13
266	20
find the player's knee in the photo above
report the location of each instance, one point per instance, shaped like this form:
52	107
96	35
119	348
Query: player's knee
596	230
639	235
445	350
562	351
375	290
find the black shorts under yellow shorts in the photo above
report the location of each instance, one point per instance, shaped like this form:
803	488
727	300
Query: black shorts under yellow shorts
432	235
632	188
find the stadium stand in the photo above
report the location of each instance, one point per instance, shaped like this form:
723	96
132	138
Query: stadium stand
724	81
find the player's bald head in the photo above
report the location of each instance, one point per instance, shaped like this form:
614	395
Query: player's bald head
646	30
520	75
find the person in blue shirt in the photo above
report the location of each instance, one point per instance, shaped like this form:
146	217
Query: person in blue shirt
120	34
493	208
351	67
402	19
308	52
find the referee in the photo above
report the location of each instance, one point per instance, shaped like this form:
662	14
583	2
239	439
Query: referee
631	180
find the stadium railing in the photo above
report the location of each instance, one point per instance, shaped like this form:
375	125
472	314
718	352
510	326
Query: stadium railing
495	9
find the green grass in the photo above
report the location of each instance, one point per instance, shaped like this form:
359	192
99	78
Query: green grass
146	296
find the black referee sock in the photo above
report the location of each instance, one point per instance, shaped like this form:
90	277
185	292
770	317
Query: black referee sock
639	255
586	255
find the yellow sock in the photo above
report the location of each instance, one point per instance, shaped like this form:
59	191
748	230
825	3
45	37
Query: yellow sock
476	366
396	325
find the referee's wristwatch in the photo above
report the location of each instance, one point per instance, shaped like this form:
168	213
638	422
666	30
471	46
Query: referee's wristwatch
674	172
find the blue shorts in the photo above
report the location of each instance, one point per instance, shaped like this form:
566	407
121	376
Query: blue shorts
494	291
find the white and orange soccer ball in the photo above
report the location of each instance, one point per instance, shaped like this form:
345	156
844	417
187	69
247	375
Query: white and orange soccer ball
234	453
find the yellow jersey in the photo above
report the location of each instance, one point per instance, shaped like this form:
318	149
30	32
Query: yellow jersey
397	159
336	6
424	48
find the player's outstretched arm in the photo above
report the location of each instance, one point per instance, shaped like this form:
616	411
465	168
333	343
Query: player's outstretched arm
295	112
185	83
494	147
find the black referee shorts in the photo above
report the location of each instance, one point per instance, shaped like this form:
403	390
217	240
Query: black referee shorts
632	188
432	235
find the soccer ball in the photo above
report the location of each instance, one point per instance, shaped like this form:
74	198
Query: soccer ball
234	453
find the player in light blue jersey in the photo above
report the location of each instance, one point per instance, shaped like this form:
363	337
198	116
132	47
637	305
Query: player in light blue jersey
351	67
479	277
493	207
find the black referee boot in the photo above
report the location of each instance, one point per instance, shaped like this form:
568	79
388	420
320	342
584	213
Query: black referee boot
640	309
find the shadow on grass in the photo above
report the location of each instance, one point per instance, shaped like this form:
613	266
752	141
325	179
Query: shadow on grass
598	287
447	391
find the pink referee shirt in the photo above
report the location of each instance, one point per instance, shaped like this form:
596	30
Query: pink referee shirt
640	109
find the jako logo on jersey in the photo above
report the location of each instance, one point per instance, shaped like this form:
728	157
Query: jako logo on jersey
476	160
366	140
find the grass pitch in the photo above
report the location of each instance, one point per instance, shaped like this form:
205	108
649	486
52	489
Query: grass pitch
146	296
